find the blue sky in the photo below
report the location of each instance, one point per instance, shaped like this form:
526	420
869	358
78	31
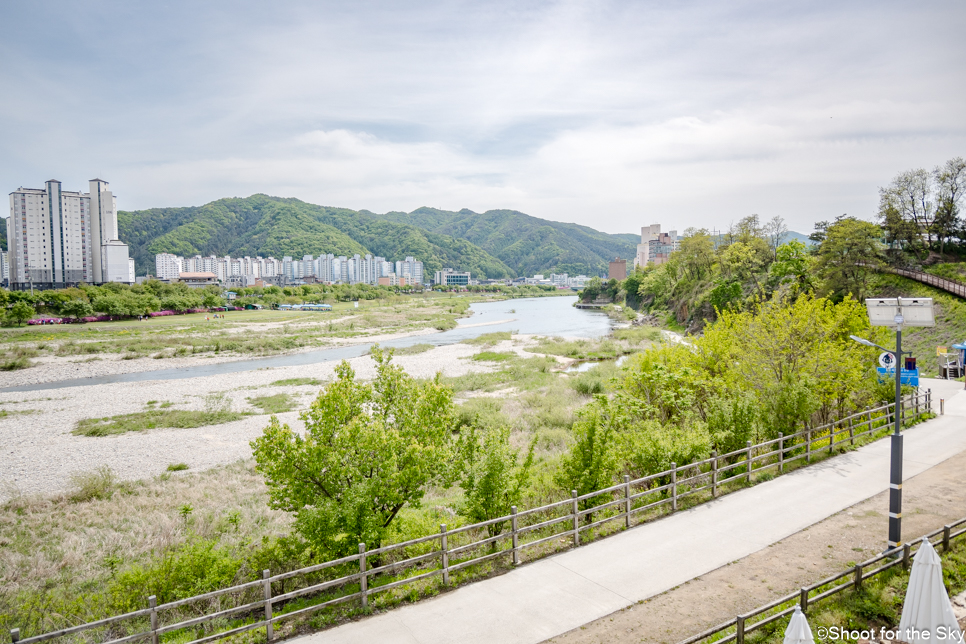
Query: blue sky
609	114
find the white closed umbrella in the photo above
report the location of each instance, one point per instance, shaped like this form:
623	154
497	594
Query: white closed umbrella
798	631
927	615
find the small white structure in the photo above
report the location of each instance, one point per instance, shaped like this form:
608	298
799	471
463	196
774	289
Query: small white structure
927	615
798	631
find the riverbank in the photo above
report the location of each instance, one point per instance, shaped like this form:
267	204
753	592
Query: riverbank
41	453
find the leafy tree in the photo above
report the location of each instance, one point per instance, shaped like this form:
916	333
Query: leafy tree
76	309
491	476
950	181
21	311
592	461
906	209
649	447
592	290
792	264
368	451
851	250
210	301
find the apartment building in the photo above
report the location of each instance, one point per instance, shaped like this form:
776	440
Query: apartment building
59	238
655	246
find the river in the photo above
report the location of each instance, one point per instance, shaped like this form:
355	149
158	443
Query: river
537	316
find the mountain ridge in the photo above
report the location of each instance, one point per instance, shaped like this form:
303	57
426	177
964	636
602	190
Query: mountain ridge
278	226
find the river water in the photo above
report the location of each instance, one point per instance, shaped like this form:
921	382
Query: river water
551	316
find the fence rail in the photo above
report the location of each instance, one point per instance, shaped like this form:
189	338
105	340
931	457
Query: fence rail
853	578
360	576
948	285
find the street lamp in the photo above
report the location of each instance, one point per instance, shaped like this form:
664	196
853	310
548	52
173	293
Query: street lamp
897	311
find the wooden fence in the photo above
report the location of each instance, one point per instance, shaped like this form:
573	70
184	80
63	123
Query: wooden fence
736	629
360	577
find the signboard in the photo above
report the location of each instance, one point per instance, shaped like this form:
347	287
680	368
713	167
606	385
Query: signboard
887	360
940	351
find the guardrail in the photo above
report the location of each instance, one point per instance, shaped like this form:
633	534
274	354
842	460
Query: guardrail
823	589
948	285
359	577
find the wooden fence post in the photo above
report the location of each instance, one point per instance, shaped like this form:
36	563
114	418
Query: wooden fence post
627	501
14	635
363	577
748	464
267	588
831	437
444	550
573	509
851	432
946	530
858	577
153	605
906	555
808	444
803	599
513	532
781	453
740	629
714	473
870	421
674	487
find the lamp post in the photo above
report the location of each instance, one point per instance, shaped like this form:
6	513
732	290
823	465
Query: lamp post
897	312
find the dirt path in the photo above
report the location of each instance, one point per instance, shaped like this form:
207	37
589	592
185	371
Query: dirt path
930	500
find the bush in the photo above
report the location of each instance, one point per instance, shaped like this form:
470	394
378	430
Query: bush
15	364
96	484
177	467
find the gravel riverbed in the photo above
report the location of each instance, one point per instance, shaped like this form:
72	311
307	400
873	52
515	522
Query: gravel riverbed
39	453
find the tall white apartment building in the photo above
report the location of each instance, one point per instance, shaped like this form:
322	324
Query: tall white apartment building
4	268
411	269
57	238
168	266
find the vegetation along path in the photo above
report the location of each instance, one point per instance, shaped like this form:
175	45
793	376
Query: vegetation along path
552	596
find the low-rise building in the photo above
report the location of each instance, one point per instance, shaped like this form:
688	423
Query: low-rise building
449	277
617	269
198	280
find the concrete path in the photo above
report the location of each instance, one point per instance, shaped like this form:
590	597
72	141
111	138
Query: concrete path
554	595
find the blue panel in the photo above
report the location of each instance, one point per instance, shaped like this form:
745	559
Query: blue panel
908	376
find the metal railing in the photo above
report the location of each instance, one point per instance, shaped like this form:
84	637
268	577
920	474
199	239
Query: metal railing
809	595
948	285
358	577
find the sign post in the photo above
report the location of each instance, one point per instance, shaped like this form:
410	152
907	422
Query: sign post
897	312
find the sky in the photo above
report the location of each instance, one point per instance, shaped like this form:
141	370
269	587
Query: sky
613	115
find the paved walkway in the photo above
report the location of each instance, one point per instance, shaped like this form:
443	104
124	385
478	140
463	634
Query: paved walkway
554	595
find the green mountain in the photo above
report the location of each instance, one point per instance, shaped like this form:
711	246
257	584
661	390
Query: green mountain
526	244
263	225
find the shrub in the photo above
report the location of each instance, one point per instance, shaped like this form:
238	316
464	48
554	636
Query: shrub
100	483
177	467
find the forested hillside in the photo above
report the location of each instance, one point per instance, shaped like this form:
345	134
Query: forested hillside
263	225
527	244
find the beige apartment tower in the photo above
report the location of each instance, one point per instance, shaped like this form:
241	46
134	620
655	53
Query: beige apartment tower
58	238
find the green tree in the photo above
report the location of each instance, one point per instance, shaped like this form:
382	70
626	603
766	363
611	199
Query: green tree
76	309
20	312
950	180
850	252
592	463
792	265
368	451
491	475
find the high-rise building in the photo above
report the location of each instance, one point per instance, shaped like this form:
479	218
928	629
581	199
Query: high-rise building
59	238
168	266
655	246
411	269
